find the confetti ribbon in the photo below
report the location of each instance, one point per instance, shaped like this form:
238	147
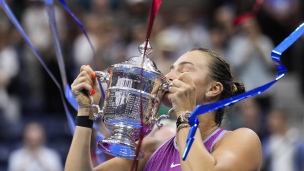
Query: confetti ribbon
250	14
67	90
64	4
100	136
154	9
68	93
66	7
9	13
53	26
275	56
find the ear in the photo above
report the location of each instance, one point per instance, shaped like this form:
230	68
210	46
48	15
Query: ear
214	89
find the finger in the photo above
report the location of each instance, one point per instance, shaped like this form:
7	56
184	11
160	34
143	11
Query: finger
178	83
95	83
85	74
86	68
81	86
172	97
83	81
169	96
174	89
90	73
186	78
94	80
83	77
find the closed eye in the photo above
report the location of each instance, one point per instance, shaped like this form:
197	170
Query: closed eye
171	67
183	67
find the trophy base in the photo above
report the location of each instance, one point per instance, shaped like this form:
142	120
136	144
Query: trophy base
120	145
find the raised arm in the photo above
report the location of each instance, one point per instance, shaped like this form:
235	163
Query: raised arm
79	157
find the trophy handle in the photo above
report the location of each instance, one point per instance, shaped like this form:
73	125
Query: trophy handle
164	88
103	77
99	111
157	120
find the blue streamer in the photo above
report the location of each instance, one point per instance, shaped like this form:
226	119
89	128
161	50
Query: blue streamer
53	26
275	56
68	93
67	90
63	3
70	97
9	13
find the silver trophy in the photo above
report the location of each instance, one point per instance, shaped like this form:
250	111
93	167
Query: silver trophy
132	85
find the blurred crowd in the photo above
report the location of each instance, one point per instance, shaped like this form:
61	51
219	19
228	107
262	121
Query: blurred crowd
30	101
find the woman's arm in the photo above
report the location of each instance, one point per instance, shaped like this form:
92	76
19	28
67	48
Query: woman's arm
237	150
85	84
79	157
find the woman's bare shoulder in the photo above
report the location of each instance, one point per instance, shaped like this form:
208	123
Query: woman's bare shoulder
241	136
239	146
244	133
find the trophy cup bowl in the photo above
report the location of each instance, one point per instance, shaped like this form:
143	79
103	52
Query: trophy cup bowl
134	86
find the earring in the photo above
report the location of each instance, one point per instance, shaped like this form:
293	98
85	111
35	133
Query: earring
208	95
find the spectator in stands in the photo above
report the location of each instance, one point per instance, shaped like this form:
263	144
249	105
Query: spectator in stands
9	69
248	114
249	55
283	149
34	155
183	27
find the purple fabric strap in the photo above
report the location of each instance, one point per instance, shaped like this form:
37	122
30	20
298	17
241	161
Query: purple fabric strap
213	138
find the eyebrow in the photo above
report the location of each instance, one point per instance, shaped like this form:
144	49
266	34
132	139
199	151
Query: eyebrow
181	64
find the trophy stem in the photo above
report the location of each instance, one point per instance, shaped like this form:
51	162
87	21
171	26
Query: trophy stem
121	143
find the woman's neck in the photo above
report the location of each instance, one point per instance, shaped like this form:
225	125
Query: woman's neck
207	124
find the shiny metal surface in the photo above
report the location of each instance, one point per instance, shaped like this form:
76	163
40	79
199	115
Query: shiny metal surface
131	88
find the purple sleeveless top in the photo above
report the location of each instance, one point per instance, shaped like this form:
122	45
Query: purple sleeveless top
167	156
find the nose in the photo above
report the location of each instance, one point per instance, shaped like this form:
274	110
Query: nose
171	75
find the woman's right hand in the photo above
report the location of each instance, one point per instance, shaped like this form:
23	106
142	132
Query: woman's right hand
84	85
182	94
